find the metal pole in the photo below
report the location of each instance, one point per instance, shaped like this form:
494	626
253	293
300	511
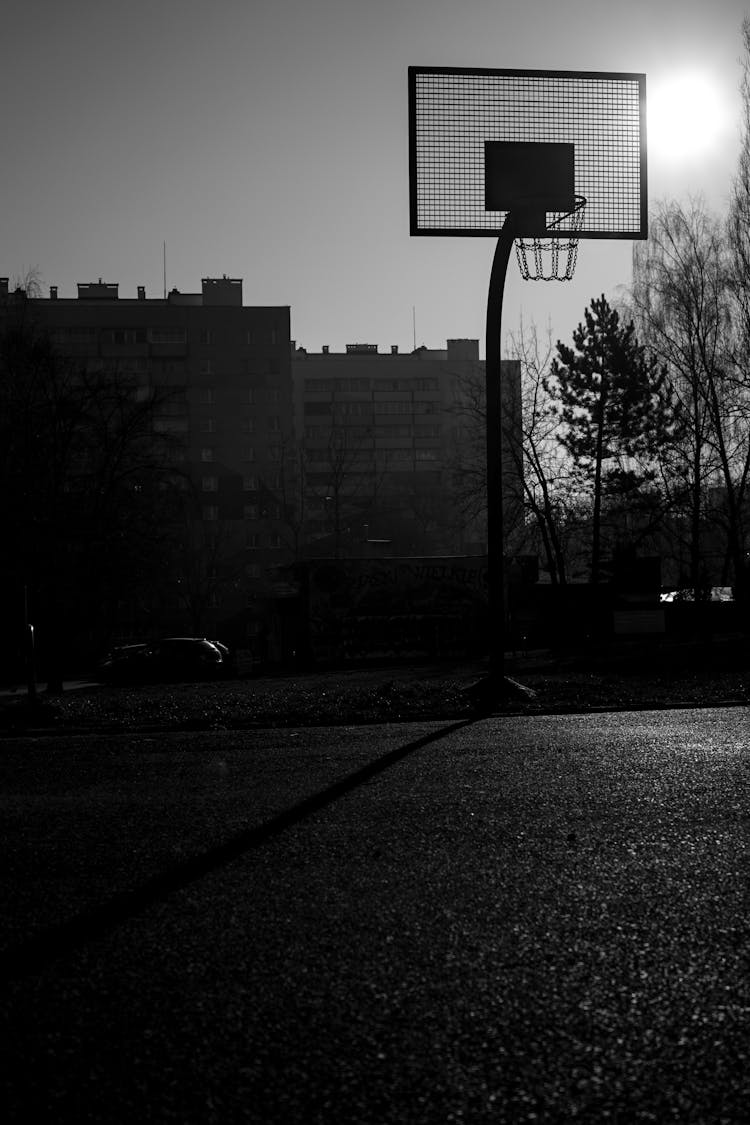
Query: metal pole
493	392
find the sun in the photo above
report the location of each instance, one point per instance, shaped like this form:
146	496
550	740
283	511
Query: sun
687	117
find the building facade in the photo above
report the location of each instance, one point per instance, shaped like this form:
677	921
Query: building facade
224	371
278	454
392	449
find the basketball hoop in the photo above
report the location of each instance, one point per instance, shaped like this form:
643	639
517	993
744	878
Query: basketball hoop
553	258
502	154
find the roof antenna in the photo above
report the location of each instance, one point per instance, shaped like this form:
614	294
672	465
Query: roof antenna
165	269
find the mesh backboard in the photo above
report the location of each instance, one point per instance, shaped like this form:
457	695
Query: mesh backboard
454	112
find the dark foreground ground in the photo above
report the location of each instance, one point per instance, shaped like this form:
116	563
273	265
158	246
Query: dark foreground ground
513	920
610	677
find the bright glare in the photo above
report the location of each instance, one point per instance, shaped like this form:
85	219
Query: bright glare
687	117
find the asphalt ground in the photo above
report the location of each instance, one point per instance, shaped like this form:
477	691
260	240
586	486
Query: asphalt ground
514	919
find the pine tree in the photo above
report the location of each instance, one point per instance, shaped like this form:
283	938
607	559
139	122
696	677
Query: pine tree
614	406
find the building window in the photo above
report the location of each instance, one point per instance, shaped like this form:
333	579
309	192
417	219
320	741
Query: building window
210	512
170	425
249	338
394	407
64	337
248	453
128	336
206	396
248	425
359	409
249	396
252	541
250	484
274	424
167	336
206	367
274	452
275	542
252	570
207	454
320	386
169	366
430	384
206	336
210	484
394	431
208	426
250	511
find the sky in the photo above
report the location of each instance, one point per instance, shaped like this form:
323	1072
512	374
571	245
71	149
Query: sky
268	140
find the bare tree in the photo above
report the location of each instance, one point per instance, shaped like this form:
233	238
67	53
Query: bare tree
739	281
202	559
286	502
344	478
739	208
546	475
468	465
533	455
687	299
82	473
28	282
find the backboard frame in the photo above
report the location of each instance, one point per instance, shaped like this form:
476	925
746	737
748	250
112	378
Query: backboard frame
627	150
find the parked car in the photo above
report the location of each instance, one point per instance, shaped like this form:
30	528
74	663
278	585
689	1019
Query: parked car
229	666
169	659
119	656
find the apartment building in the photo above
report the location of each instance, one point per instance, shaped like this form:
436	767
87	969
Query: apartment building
393	448
226	371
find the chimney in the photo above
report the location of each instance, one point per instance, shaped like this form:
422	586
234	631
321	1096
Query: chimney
394	349
3	287
141	292
325	349
53	292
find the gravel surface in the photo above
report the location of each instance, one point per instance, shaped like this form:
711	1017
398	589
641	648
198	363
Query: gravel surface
611	678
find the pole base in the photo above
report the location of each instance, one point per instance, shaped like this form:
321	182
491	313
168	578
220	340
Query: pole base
494	691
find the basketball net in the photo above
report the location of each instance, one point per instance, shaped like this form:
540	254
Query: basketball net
553	258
